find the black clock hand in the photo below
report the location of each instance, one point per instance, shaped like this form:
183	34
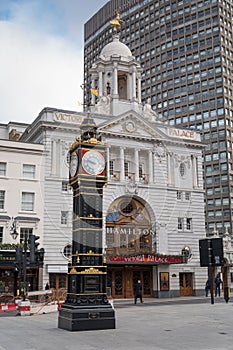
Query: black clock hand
92	162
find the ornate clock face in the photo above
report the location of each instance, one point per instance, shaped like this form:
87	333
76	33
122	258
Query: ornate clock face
93	162
73	164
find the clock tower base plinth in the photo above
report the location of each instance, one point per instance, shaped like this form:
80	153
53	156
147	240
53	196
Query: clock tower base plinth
85	318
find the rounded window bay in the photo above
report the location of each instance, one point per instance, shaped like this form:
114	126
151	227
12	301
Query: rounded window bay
67	251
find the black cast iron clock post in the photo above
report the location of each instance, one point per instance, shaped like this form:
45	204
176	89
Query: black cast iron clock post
86	306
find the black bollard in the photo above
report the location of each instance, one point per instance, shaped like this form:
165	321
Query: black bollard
226	294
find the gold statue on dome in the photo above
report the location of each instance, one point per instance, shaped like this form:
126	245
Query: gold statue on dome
116	23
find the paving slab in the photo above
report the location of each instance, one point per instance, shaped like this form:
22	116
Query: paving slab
158	326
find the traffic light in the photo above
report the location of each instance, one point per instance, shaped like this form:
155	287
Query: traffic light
205	252
217	251
16	267
18	259
33	247
40	257
18	255
211	252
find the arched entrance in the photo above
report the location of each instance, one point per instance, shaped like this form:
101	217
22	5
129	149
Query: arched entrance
129	232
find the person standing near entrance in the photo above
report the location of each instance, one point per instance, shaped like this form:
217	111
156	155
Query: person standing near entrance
138	292
218	282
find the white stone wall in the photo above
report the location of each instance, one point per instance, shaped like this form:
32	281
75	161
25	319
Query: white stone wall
15	154
161	197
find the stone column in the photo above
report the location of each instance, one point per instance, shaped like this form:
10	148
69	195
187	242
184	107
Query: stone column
107	162
194	168
54	157
150	167
115	82
129	87
100	84
136	165
139	90
122	164
134	84
169	169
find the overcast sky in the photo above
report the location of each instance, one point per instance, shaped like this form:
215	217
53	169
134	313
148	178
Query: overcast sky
41	58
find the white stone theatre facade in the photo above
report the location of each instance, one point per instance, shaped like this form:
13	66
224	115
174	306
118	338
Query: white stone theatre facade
153	203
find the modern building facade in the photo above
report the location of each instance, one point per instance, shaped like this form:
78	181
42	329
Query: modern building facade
185	50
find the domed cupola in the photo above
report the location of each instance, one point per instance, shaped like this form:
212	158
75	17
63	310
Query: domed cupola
116	48
116	77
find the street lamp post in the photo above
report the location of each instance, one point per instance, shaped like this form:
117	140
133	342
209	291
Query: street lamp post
13	230
24	268
18	254
21	258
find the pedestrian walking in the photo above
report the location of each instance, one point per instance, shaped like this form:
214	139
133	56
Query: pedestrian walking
138	292
207	287
217	282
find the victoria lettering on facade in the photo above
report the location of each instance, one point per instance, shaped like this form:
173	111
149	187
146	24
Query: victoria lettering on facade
68	118
146	258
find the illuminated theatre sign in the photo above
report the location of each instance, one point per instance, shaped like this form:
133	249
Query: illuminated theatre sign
146	258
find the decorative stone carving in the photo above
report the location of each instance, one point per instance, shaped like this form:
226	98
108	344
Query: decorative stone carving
182	159
130	126
227	241
159	151
148	113
103	106
131	187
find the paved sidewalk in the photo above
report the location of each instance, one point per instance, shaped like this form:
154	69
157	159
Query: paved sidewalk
148	326
167	301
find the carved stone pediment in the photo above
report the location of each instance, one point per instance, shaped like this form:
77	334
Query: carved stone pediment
131	125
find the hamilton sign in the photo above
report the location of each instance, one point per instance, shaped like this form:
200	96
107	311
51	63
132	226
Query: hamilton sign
130	231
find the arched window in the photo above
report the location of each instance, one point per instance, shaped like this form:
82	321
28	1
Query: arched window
67	251
128	227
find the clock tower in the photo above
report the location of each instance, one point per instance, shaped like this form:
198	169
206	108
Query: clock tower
86	306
